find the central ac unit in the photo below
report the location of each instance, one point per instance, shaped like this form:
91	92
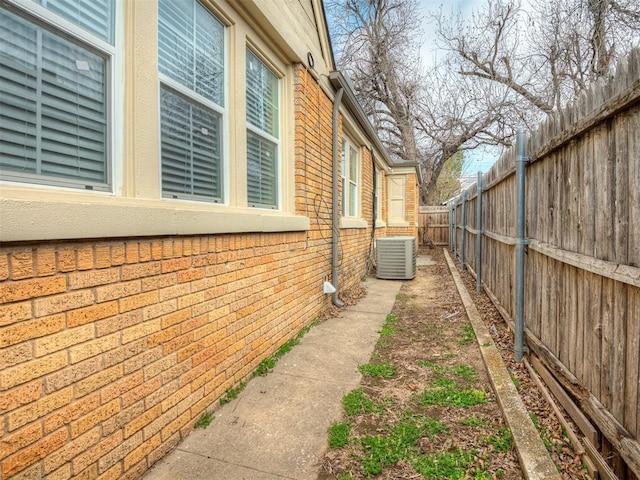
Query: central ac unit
396	258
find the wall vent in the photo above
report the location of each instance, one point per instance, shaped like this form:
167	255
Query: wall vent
396	258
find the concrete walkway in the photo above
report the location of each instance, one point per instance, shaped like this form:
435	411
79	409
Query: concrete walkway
277	427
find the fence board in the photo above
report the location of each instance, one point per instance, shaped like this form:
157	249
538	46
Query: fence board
582	268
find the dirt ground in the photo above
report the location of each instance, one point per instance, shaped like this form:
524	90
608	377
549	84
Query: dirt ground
431	344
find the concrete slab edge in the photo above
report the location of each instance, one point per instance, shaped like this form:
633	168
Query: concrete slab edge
534	459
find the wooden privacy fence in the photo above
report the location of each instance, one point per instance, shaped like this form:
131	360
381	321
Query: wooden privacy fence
581	253
434	225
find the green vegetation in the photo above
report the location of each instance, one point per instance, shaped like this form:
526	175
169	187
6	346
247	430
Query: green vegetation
466	373
445	392
450	465
268	364
468	335
339	434
203	422
389	326
381	370
232	393
357	403
473	421
401	442
501	440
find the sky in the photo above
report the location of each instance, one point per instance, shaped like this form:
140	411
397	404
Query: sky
480	159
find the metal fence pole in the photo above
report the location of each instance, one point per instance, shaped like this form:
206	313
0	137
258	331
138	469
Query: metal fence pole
455	228
464	228
479	236
521	161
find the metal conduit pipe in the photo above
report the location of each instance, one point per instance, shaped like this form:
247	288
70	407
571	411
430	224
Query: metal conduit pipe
519	347
335	215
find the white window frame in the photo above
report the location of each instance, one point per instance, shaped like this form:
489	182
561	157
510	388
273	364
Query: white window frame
196	99
266	136
350	209
61	27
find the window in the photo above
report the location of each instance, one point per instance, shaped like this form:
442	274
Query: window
192	97
350	179
262	134
397	198
54	96
379	179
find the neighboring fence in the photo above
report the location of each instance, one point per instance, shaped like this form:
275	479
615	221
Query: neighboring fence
434	225
581	288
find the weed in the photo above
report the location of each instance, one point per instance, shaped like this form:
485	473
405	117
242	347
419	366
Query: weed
389	326
381	370
451	465
401	297
437	369
445	392
473	421
356	403
514	379
501	441
466	372
468	335
232	393
339	434
267	365
203	422
401	442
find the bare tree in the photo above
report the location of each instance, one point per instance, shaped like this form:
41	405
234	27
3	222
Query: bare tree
504	68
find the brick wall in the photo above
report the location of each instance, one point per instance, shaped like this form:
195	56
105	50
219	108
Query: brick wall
111	350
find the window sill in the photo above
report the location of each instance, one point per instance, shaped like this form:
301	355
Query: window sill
27	215
351	222
398	223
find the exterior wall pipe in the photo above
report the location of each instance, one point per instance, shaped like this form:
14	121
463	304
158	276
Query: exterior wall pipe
335	215
479	235
464	229
521	160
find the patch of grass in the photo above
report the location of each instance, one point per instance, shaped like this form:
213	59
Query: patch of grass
437	369
466	372
401	442
501	440
356	403
514	379
203	422
232	392
451	465
339	434
381	370
468	335
473	421
389	326
445	392
401	297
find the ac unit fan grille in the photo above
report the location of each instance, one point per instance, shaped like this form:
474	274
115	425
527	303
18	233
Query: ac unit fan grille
396	258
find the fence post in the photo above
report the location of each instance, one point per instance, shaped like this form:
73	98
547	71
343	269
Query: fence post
464	227
450	218
479	236
455	228
521	162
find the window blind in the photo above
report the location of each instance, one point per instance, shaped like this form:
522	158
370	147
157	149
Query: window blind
95	16
262	146
53	106
190	142
191	53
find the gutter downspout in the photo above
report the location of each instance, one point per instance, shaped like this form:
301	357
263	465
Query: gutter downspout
335	216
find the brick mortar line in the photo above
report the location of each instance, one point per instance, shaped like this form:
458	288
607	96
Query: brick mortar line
533	456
